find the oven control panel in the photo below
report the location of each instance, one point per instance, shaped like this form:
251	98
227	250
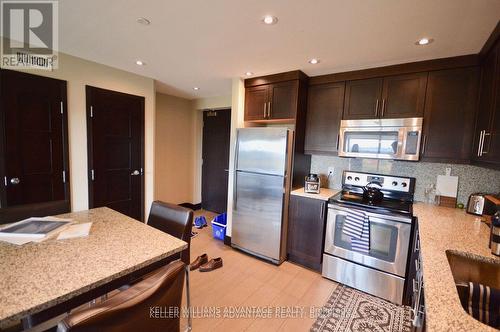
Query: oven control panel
385	182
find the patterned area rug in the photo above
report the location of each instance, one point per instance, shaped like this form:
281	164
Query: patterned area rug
352	310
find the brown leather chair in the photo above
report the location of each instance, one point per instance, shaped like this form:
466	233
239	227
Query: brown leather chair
138	307
174	220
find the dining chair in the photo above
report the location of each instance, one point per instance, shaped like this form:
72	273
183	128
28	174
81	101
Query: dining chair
140	307
176	221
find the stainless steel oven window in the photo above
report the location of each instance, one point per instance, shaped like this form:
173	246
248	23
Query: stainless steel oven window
383	239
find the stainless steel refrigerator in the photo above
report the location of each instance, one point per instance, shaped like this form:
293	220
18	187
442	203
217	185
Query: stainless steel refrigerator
261	190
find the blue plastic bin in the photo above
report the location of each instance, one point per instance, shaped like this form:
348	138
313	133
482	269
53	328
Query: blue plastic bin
219	225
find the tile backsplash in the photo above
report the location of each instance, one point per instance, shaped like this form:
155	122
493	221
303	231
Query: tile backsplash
470	178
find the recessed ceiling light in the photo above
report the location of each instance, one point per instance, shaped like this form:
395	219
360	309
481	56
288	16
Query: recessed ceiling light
314	61
140	63
196	88
268	19
424	41
248	73
143	21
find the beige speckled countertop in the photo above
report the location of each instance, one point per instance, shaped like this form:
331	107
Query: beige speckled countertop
36	276
443	229
324	193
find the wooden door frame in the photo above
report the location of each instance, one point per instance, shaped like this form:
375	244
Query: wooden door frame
228	109
19	212
90	156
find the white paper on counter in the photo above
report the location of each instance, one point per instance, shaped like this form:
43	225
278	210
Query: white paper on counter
447	185
74	231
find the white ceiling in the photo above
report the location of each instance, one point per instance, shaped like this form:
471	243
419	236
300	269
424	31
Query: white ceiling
205	43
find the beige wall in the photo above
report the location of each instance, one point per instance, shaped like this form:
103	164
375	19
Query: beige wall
78	73
198	106
174	149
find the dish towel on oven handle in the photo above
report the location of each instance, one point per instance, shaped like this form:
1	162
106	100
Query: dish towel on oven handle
357	226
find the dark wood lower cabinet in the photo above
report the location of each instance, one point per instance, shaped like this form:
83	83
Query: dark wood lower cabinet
306	226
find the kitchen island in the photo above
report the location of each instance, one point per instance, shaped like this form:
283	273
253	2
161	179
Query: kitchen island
38	277
441	230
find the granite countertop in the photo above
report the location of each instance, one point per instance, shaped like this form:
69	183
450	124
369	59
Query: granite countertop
443	229
324	193
37	276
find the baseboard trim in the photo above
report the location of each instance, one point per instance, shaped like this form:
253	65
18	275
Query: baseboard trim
191	206
227	240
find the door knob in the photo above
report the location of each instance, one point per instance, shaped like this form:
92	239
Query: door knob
15	181
136	172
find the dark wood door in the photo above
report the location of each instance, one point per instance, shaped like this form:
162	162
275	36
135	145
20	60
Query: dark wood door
449	114
306	227
403	96
216	132
489	73
33	141
116	151
256	102
325	106
363	99
283	98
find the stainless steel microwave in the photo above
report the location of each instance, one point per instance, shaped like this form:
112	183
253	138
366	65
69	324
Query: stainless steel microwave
397	139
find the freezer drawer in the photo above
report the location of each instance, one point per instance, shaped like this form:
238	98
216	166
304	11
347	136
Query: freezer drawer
257	214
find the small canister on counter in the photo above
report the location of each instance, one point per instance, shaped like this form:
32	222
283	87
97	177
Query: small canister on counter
312	184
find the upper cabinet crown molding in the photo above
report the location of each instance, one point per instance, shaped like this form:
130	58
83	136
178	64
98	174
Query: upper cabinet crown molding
275	78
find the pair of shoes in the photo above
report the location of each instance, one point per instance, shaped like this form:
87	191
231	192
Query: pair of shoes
199	261
211	265
204	264
200	222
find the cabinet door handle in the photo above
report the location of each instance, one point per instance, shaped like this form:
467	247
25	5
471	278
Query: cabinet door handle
269	110
479	143
482	146
321	215
424	143
376	108
265	110
383	108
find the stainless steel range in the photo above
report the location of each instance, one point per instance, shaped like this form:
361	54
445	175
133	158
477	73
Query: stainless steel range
381	269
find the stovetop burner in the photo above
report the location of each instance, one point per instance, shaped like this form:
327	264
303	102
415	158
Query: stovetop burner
398	192
386	205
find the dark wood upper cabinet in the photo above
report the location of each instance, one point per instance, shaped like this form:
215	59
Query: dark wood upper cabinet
363	99
256	99
283	98
400	96
324	111
306	226
486	149
403	96
450	108
272	100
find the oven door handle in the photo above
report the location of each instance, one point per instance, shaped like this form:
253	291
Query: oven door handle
384	219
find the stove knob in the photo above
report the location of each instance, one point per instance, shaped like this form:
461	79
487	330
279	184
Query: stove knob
404	184
349	177
394	183
356	178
